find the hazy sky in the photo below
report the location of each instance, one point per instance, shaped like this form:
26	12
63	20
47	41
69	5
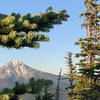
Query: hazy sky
50	56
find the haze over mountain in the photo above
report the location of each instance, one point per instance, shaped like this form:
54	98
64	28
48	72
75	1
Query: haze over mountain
18	71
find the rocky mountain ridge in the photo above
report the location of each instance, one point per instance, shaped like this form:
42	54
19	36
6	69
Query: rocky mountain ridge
18	71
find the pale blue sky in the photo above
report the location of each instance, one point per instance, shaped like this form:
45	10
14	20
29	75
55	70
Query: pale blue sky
50	56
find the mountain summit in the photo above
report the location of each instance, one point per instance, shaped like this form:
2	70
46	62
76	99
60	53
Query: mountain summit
15	69
18	71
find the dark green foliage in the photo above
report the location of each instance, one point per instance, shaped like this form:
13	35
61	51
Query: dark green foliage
47	95
38	97
33	87
19	88
6	90
24	31
14	97
37	85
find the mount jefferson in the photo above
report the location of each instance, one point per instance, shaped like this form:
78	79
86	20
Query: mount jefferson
18	71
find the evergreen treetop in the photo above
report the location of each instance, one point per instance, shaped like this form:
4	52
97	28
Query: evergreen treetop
18	31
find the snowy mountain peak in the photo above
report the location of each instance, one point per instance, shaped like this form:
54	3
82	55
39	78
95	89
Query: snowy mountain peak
16	62
13	63
15	69
18	71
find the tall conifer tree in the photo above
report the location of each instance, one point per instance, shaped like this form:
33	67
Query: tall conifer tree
88	83
71	75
